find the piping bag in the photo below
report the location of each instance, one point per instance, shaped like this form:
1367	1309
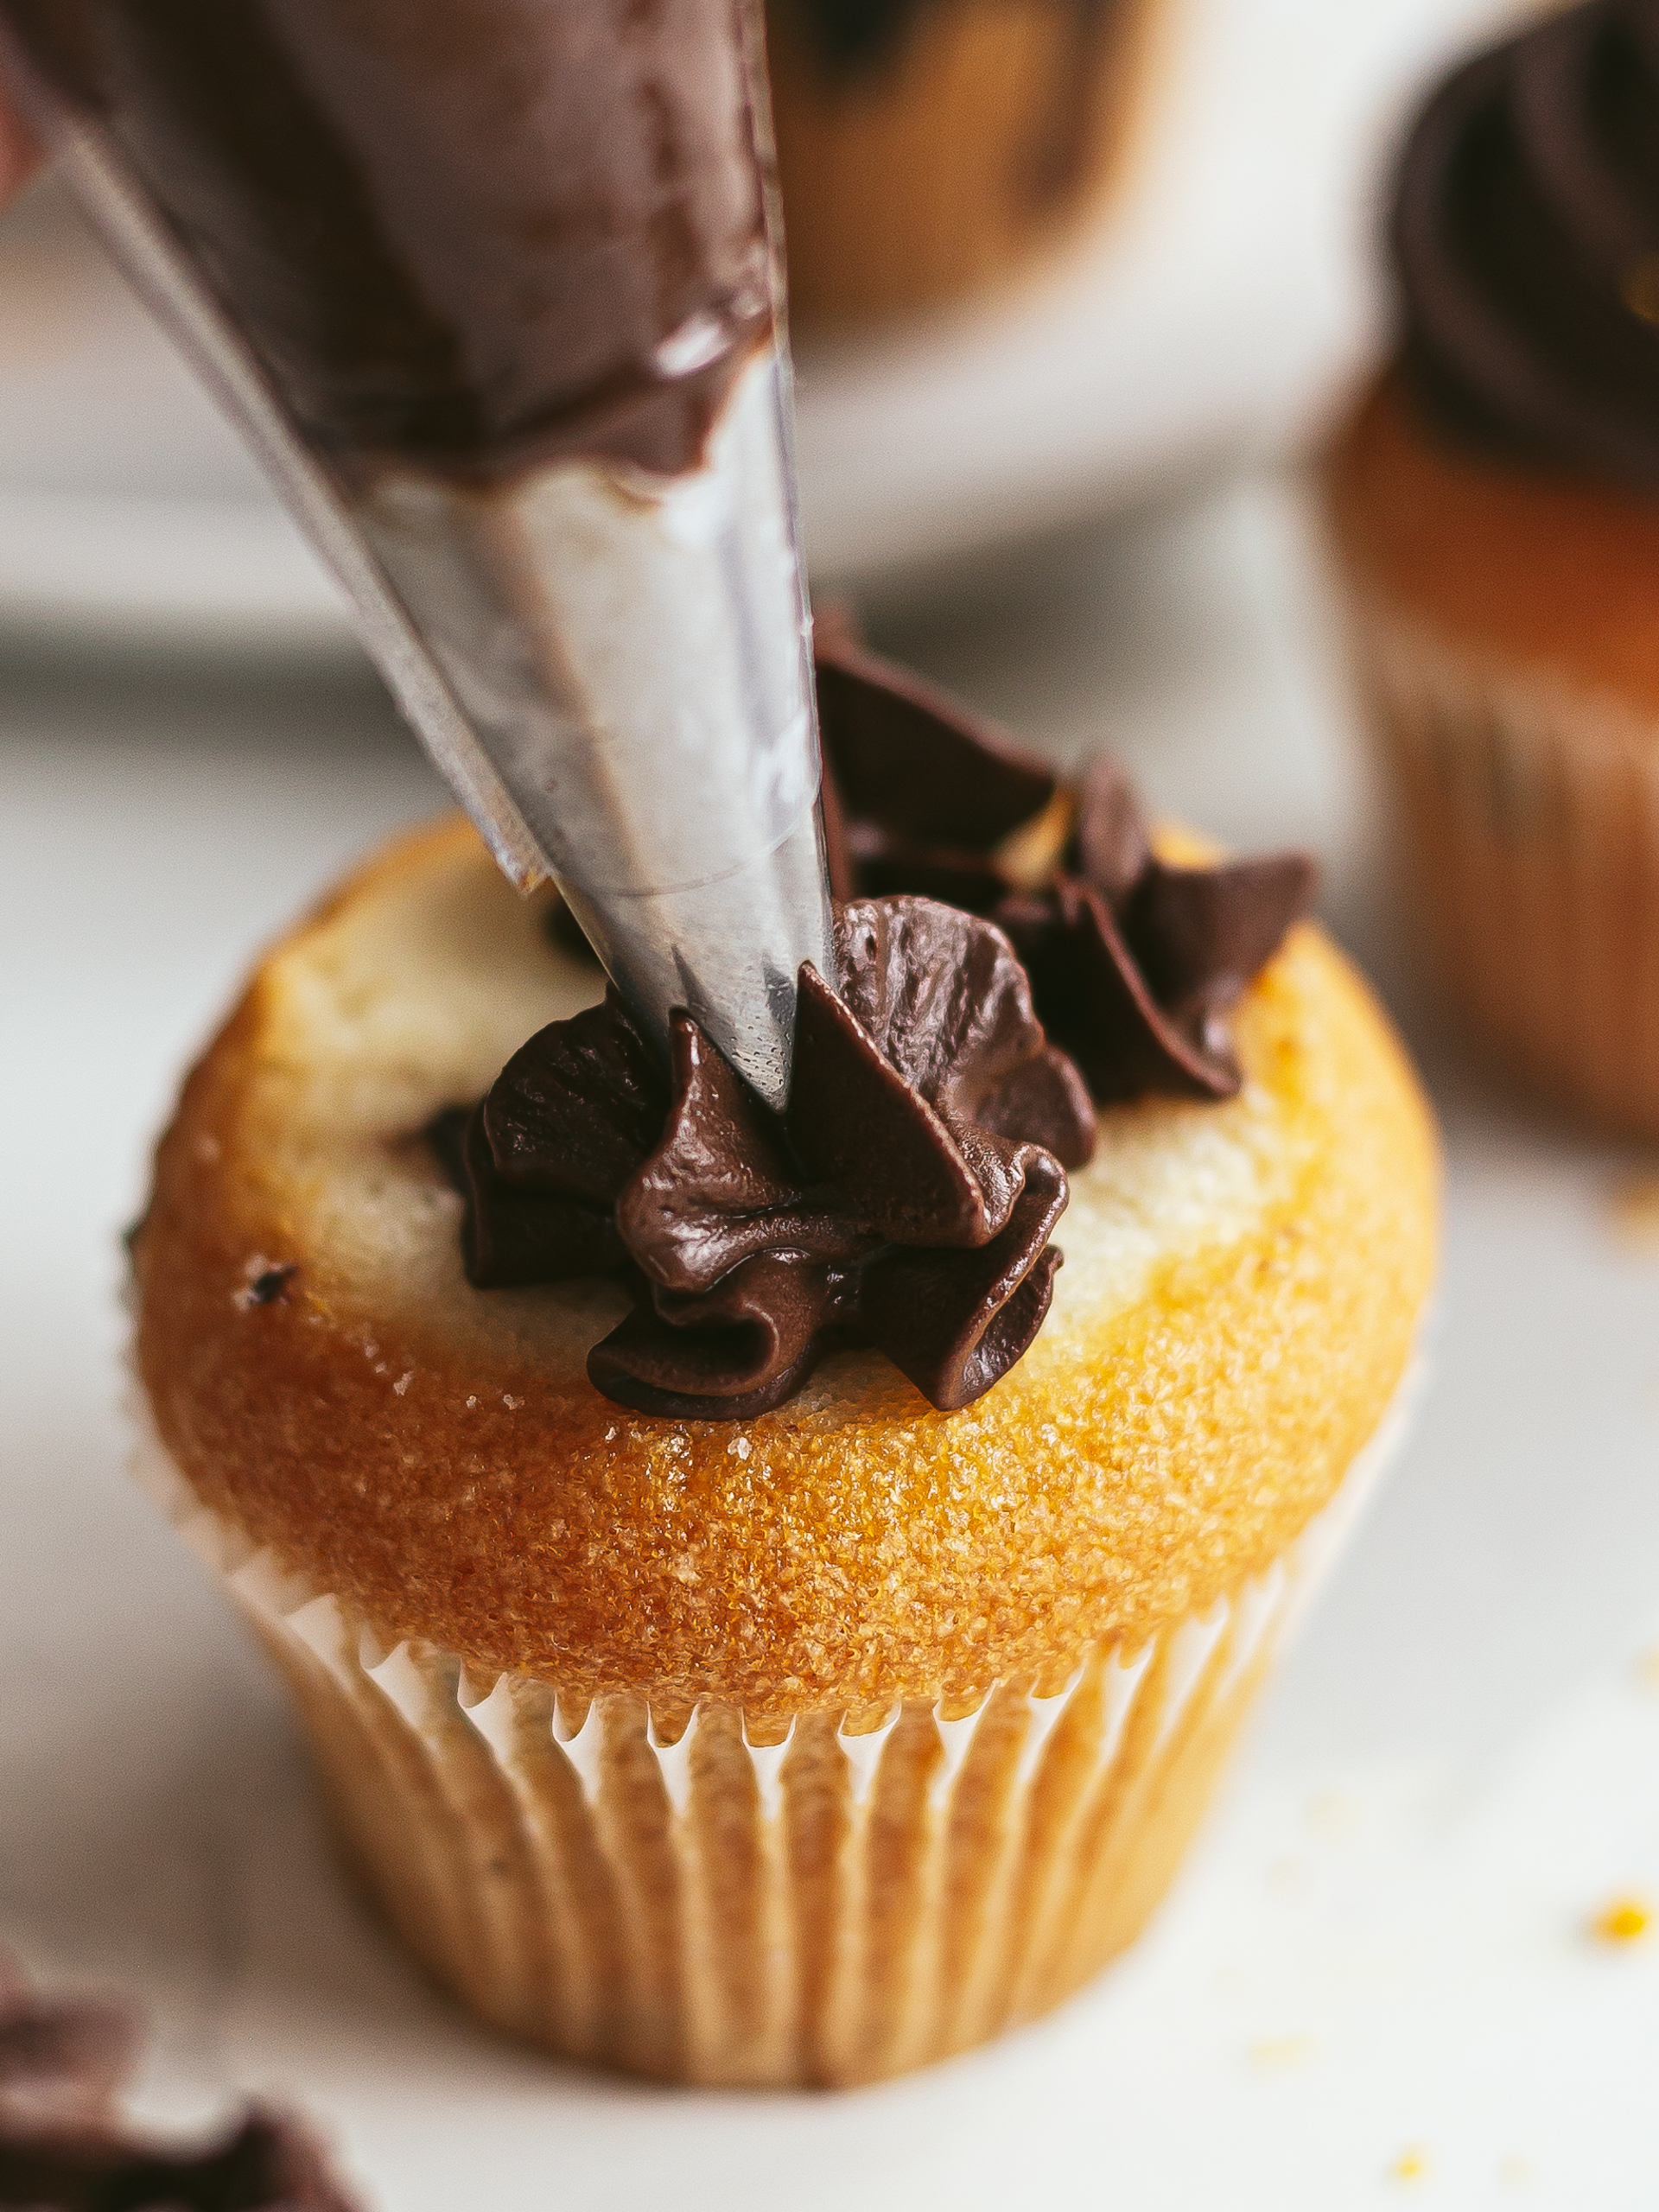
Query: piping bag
492	288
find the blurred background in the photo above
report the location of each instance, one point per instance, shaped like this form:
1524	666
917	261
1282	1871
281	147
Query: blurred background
1079	495
1200	309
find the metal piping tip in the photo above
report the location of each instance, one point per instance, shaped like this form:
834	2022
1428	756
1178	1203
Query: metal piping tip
633	655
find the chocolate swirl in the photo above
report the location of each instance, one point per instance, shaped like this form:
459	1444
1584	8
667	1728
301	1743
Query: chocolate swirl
1526	238
1134	962
904	1199
64	2148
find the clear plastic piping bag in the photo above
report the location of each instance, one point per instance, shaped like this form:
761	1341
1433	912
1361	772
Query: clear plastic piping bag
611	667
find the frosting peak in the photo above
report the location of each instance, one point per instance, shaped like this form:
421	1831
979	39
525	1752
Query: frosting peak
1526	238
905	1198
1133	962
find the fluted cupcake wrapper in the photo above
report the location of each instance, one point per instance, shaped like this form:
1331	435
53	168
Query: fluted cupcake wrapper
834	1907
1530	809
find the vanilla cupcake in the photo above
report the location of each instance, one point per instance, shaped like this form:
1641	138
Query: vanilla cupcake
760	1617
927	146
1495	511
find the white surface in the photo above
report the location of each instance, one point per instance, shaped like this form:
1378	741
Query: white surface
1381	1943
1212	309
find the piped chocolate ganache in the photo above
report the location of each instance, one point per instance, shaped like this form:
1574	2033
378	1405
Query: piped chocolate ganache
467	235
1134	961
904	1199
1526	240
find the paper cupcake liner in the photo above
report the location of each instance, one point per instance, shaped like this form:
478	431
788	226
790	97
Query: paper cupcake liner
829	1908
1530	812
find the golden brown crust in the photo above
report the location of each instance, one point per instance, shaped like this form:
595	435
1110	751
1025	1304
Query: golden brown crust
1529	565
1242	1290
917	178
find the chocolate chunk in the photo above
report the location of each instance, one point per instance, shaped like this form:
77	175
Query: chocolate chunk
64	2148
268	2164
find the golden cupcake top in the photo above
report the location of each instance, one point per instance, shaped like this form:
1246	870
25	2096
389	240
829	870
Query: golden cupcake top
1242	1284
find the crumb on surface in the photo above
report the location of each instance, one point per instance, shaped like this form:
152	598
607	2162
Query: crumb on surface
1412	2164
1624	1921
1289	1878
264	1283
1273	2054
1331	1815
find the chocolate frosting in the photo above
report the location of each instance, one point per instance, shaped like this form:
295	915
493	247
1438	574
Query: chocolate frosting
904	1199
1133	962
1526	238
468	234
64	2148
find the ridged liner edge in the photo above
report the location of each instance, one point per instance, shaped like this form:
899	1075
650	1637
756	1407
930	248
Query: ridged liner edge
829	1908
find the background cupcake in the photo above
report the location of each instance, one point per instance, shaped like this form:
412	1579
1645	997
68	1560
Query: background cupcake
927	146
1496	504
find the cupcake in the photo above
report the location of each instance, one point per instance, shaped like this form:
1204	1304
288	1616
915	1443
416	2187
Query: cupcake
760	1616
926	147
1494	502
